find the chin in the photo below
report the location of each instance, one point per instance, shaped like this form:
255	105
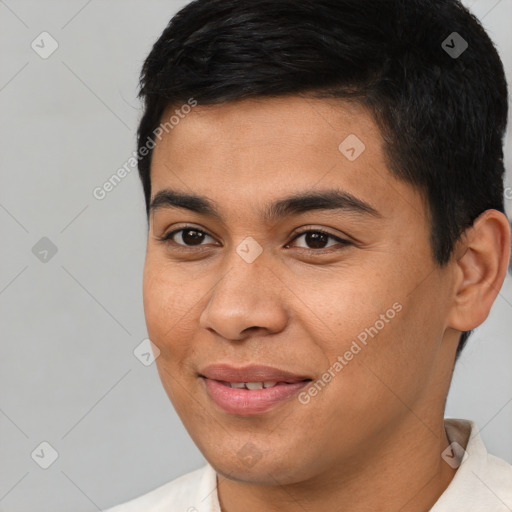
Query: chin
269	467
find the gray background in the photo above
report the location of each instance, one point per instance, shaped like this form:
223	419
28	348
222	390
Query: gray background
70	324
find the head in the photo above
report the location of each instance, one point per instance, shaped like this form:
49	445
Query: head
351	119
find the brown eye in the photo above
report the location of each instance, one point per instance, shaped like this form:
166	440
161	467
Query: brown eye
318	240
192	236
187	237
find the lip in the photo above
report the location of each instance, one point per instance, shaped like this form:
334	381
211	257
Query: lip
245	402
253	373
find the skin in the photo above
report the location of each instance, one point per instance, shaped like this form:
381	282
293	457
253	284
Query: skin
372	438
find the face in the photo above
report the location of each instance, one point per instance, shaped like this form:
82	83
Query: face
302	265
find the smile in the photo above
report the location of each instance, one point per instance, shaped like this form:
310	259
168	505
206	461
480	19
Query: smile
251	390
249	398
253	385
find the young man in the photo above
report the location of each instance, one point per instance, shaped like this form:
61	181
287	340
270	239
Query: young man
324	187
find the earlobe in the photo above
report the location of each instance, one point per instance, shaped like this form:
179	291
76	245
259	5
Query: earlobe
481	261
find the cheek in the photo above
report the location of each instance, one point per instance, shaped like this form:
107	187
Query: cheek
168	309
395	365
374	326
169	300
349	308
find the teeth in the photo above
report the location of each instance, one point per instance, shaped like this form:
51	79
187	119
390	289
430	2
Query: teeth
254	385
251	385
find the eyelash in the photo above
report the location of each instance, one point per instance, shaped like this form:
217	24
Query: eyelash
167	239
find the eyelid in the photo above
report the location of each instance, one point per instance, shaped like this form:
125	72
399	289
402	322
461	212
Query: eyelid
313	229
308	229
167	238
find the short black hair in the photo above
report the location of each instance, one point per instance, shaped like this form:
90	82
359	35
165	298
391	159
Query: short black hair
442	115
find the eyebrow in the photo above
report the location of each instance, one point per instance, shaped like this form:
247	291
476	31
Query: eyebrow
331	199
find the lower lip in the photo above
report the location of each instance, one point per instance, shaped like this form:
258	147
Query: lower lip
247	402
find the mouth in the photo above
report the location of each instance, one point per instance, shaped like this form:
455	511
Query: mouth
250	390
258	385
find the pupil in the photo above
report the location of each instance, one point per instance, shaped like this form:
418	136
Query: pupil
195	239
317	240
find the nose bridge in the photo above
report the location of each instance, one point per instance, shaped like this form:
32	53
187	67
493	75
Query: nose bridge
246	266
243	298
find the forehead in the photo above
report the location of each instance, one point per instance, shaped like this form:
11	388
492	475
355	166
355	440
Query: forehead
271	147
303	121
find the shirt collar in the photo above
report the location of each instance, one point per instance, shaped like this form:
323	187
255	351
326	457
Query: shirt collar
482	482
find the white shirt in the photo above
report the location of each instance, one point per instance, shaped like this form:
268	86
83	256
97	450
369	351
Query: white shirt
482	483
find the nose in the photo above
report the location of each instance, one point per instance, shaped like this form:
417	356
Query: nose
246	301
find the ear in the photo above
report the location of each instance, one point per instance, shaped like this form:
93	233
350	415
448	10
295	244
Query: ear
481	260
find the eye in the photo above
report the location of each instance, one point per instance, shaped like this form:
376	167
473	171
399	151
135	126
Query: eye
188	237
317	239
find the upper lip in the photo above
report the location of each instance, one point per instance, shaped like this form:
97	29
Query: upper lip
253	373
